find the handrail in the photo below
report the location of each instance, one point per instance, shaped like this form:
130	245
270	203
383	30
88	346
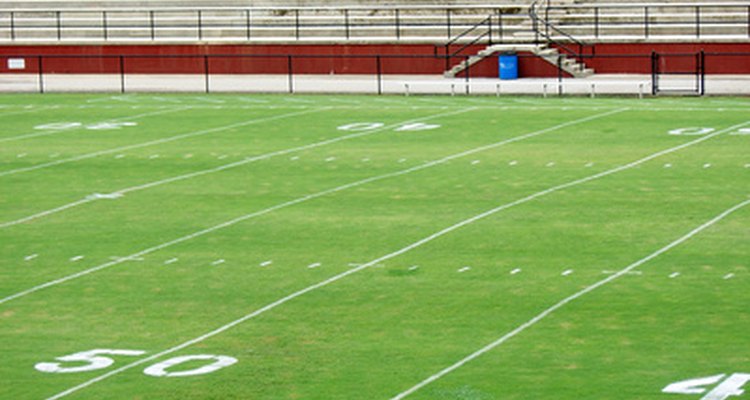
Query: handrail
110	24
450	55
280	8
536	20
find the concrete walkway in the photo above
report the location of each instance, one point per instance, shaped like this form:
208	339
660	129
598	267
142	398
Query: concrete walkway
633	85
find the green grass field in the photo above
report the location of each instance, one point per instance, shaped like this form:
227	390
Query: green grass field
363	247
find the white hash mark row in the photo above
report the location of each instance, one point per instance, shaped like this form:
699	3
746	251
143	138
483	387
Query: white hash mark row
267	263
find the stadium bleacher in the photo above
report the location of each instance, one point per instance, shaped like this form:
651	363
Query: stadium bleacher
557	37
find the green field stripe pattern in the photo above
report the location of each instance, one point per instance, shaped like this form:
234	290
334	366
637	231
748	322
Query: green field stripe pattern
362	267
569	299
236	164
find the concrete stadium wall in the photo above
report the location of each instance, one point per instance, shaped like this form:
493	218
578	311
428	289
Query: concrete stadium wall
354	59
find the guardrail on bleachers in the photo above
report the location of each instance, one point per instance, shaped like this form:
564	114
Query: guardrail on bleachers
373	24
654	20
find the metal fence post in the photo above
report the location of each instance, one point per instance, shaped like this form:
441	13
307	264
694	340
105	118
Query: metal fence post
378	68
697	21
398	24
468	67
247	23
290	73
296	24
200	24
596	22
448	22
58	18
702	71
105	32
206	72
559	75
654	73
346	23
122	74
13	24
41	74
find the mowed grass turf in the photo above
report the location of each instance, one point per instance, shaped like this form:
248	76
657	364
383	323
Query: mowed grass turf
347	247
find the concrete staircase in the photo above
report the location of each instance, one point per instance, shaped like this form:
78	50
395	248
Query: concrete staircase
550	54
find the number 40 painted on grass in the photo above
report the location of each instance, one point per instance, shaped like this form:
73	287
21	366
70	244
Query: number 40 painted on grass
726	388
93	360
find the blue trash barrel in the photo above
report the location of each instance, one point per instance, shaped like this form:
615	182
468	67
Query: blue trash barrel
508	66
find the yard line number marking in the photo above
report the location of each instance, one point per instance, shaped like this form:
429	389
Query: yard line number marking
159	141
94	360
729	387
570	299
406	249
57	127
301	200
358	133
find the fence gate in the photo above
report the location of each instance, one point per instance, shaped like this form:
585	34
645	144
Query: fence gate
678	74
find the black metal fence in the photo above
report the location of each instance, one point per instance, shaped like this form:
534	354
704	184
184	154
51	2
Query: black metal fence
336	73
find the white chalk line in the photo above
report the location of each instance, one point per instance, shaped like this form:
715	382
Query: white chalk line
225	167
369	264
160	141
213	228
567	300
49	132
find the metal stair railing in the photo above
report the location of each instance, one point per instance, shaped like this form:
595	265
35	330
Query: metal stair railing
485	23
543	29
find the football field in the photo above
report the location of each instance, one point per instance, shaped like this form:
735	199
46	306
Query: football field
164	246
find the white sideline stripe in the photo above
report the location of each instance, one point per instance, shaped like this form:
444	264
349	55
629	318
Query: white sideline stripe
160	141
634	105
48	132
300	200
380	260
228	166
567	300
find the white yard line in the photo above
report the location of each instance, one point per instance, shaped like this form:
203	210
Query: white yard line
160	141
567	300
293	202
48	132
406	249
227	166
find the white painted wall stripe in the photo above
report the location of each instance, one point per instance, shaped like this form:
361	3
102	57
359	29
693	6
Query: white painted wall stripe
307	198
567	300
49	132
384	258
229	166
159	141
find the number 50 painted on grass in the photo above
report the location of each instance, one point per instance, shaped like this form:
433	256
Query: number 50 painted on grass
95	359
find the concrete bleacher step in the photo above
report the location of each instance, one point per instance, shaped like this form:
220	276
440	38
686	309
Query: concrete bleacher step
549	54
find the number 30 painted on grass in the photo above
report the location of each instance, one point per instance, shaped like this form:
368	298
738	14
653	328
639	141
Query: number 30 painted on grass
94	360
